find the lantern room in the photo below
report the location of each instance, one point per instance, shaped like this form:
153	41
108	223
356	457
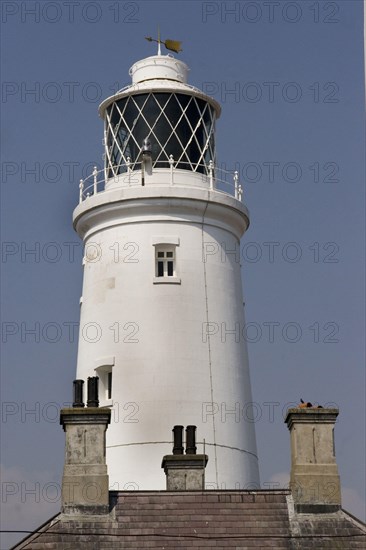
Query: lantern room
160	118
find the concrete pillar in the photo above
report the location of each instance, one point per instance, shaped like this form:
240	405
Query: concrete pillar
185	472
85	479
314	481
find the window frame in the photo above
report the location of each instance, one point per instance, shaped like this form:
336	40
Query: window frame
165	260
104	370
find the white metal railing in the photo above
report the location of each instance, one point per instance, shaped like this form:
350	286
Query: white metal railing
213	177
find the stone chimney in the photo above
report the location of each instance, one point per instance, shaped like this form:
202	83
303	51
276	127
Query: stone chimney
85	478
184	472
314	480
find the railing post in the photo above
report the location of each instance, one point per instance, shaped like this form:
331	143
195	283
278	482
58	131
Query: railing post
81	188
171	164
106	171
240	192
95	180
236	180
210	173
104	156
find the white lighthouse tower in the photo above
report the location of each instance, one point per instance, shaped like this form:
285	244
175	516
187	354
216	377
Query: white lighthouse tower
162	315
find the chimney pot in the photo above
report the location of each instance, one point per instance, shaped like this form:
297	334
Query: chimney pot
78	393
178	440
191	440
93	399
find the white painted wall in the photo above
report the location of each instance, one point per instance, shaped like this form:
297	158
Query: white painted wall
167	369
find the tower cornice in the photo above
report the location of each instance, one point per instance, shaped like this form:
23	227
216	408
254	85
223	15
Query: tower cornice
133	205
158	85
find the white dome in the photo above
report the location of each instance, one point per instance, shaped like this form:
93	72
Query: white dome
157	67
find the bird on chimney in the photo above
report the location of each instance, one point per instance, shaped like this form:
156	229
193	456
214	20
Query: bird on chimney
304	405
308	405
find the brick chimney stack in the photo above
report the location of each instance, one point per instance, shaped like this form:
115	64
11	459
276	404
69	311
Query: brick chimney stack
85	478
314	480
184	472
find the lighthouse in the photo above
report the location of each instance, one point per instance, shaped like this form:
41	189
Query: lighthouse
162	314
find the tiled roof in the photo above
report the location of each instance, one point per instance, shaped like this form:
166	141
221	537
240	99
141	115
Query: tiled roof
328	531
209	519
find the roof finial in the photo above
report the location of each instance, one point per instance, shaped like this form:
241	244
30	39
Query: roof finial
159	42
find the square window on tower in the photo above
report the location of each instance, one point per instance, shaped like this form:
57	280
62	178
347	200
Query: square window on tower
165	261
166	264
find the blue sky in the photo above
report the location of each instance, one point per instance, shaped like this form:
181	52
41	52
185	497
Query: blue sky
289	77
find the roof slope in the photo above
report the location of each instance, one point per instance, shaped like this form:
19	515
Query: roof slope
329	531
192	519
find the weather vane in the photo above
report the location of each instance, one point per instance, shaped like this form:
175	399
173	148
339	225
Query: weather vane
172	45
